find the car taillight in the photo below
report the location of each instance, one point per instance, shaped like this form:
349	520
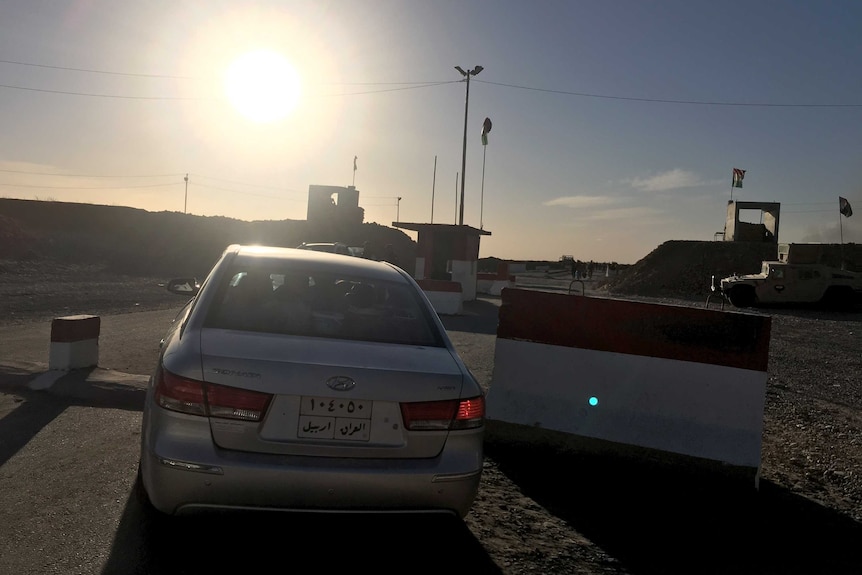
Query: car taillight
234	403
446	414
471	413
180	394
198	398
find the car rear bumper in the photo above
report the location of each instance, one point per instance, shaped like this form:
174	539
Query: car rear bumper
184	472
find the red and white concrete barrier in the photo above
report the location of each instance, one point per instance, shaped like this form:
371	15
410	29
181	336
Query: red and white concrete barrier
686	381
493	284
444	295
74	342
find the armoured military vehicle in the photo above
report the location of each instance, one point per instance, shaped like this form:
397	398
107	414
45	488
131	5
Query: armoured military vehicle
797	277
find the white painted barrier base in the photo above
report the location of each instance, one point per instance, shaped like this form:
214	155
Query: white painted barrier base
446	303
493	287
677	406
73	355
445	296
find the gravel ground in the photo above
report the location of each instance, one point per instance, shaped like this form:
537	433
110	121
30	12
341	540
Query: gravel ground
547	509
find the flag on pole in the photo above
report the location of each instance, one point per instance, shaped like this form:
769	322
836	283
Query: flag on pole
486	127
354	162
737	177
844	207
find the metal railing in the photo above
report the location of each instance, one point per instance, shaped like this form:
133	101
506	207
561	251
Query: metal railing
583	287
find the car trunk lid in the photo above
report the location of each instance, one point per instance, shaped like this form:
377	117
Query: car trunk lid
330	397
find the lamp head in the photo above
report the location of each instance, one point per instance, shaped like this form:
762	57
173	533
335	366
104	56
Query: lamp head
460	69
476	70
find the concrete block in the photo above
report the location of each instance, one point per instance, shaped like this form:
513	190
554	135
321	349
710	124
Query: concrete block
74	342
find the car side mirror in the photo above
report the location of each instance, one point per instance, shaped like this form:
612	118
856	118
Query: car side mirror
183	286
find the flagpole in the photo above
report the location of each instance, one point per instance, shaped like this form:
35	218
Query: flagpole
841	227
482	197
841	230
486	127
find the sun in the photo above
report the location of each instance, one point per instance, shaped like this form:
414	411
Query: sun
263	86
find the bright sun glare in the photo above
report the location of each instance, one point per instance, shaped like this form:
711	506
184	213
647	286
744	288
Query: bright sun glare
262	86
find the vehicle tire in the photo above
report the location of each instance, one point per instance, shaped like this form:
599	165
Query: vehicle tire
742	296
837	297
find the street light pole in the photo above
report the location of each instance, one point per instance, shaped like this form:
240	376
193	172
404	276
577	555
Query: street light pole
398	210
467	75
186	201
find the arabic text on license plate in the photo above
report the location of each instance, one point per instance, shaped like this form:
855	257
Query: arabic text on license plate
334	418
342	428
335	407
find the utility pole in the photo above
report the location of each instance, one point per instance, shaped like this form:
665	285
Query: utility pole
467	75
456	197
433	186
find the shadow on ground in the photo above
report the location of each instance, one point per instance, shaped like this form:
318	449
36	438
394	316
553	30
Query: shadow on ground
225	542
38	409
221	542
657	519
480	316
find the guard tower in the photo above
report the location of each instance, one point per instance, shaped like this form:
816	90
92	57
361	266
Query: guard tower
447	252
328	203
767	231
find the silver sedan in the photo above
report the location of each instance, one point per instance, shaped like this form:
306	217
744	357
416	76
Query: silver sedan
299	380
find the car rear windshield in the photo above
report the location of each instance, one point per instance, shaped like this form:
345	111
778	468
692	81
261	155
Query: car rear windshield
278	298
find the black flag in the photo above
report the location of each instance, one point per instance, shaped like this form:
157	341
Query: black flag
844	207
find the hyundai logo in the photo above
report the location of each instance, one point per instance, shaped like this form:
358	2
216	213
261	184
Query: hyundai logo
340	383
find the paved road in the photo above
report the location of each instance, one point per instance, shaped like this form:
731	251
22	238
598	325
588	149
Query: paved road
68	460
68	505
128	342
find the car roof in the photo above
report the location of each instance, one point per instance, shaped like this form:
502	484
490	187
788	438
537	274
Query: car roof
322	261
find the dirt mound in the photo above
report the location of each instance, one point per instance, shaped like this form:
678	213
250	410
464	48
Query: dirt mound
15	242
137	242
684	268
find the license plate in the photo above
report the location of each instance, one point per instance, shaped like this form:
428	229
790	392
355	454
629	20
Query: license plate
340	419
336	407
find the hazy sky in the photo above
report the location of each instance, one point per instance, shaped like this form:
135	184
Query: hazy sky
616	124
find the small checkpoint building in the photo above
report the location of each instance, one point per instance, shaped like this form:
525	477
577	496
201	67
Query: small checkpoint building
447	257
736	230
